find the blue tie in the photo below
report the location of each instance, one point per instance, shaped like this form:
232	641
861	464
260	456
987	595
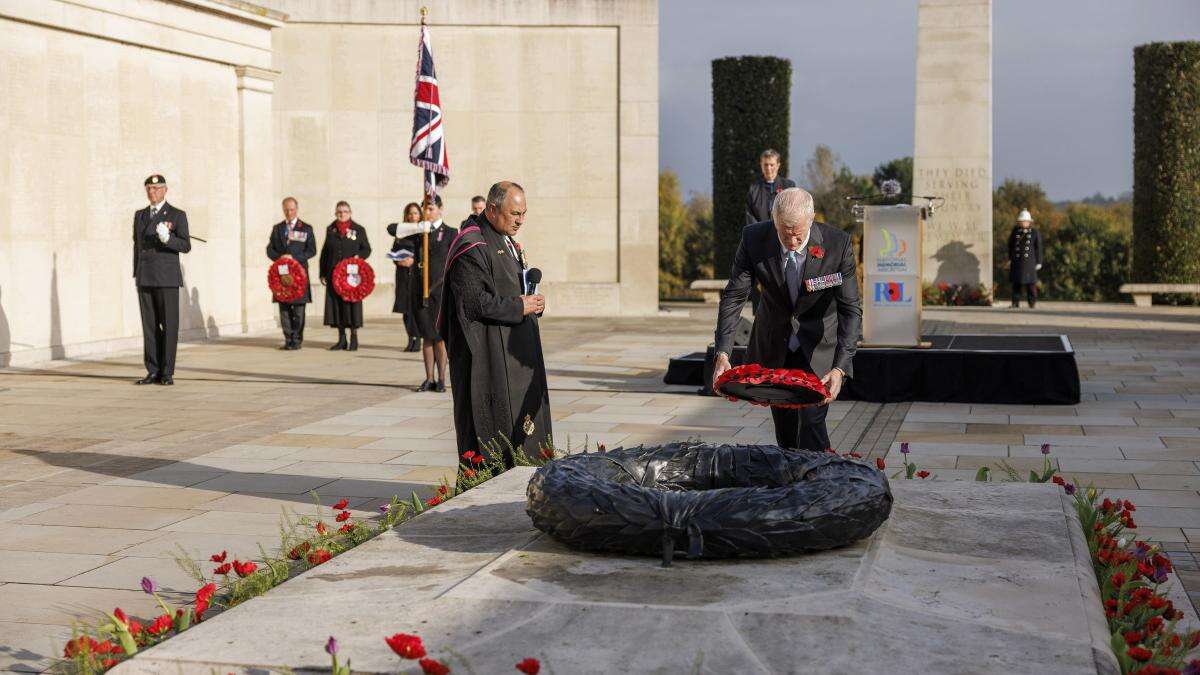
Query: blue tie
791	272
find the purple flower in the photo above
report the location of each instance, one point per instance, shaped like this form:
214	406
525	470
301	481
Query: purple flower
1193	668
148	585
331	646
904	447
1069	488
1160	574
385	509
1045	448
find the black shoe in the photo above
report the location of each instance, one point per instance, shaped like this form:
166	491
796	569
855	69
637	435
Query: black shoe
414	345
296	344
1016	306
340	344
441	387
425	386
149	379
166	381
285	346
353	347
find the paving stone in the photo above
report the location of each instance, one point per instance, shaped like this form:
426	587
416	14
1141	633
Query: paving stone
68	539
126	573
31	647
125	517
116	495
41	567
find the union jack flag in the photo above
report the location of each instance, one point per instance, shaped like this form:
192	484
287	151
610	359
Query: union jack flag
428	149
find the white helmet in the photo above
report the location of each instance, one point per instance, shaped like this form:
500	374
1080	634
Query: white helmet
1024	217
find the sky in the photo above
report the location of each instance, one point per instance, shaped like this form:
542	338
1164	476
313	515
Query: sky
1062	81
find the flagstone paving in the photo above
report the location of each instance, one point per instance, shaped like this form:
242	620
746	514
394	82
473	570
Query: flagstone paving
102	482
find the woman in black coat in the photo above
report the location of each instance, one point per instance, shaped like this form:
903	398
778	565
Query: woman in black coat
344	238
1024	259
404	274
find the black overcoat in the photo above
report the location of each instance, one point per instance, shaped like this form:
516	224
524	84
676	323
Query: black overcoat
829	319
336	248
404	275
497	371
426	311
760	196
1024	255
302	245
156	264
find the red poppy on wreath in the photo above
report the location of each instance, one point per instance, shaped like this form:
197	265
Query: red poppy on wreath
775	387
353	279
816	251
287	280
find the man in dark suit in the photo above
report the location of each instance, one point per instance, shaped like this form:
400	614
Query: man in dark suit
762	191
160	234
293	238
477	205
810	316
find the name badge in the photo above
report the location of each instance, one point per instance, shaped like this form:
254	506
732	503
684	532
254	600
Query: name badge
298	235
282	269
823	282
351	269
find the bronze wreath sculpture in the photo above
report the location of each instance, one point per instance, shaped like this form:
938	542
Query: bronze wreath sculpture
708	501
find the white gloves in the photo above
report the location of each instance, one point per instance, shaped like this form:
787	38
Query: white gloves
163	233
1039	266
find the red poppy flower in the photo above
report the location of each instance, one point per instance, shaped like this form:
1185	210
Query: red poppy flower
433	667
79	646
244	569
1129	506
547	453
1140	653
1058	480
299	550
922	474
816	251
161	625
343	516
477	460
1133	637
1107	504
880	464
345	528
468	455
319	556
341	505
1157	602
203	598
433	501
1117	579
469	473
219	558
529	666
321	528
120	615
1155	624
406	646
222	569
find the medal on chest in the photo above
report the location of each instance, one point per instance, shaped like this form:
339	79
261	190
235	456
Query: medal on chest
527	426
352	235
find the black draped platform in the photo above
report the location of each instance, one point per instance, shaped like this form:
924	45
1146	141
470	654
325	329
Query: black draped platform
1025	369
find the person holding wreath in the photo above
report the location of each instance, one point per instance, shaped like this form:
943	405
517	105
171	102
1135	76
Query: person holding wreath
293	239
344	238
402	252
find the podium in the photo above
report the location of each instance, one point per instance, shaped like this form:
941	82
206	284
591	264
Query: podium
892	274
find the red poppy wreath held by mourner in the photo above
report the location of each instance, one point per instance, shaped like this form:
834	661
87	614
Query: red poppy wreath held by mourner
353	279
287	280
774	387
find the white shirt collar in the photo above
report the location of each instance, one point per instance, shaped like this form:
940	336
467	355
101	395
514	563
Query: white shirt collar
158	206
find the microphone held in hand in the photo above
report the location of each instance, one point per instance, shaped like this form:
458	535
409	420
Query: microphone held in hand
533	277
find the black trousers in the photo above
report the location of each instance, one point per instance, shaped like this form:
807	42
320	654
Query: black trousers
410	326
291	319
160	328
804	428
1030	294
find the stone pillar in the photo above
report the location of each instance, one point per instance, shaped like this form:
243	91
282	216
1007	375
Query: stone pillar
257	201
952	154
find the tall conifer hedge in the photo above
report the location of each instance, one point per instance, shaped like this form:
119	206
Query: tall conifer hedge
1166	163
751	98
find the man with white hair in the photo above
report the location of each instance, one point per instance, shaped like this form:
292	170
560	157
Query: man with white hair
810	315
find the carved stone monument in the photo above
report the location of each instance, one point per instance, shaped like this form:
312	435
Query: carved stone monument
952	153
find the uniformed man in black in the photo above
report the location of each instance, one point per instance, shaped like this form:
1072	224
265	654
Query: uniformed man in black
293	238
1024	259
160	234
427	300
762	192
477	205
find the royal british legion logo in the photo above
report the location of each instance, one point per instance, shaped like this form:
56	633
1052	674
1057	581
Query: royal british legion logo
891	258
892	294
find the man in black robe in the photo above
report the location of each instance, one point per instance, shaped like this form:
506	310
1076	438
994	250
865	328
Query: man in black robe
489	319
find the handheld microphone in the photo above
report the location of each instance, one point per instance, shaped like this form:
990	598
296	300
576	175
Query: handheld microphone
533	277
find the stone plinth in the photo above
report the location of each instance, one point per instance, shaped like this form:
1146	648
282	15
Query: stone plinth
965	577
952	153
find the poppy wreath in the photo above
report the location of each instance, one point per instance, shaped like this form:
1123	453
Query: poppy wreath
341	280
775	387
288	287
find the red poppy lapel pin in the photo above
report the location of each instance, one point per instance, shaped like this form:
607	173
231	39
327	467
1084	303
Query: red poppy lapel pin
816	251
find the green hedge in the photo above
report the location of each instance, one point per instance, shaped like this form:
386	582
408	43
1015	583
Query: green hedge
1166	163
751	102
